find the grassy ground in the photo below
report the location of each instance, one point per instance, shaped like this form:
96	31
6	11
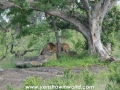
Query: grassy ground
107	79
7	63
68	61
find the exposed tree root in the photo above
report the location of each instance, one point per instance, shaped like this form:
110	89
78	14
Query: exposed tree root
107	59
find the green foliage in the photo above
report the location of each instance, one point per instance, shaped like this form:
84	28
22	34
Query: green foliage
111	24
67	73
70	62
2	38
22	3
88	78
44	5
108	87
36	30
80	45
8	62
114	76
30	44
67	79
31	81
19	16
66	34
9	87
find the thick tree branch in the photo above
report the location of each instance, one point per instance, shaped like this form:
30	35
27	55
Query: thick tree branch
4	5
104	9
70	19
24	52
107	4
18	53
82	19
96	9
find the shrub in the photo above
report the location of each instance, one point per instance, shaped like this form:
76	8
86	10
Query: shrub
88	78
114	76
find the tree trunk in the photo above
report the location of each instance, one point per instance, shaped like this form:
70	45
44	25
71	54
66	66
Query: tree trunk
92	29
98	48
57	39
94	41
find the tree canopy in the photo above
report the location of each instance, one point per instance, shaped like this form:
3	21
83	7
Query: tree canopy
84	16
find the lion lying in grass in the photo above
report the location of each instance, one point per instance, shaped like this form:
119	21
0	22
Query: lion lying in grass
52	48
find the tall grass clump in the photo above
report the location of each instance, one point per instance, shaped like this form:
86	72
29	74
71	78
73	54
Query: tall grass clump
88	78
69	61
7	63
113	76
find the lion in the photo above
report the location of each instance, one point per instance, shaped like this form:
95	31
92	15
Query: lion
65	47
49	48
52	48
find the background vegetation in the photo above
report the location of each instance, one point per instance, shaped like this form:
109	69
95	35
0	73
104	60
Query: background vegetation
40	32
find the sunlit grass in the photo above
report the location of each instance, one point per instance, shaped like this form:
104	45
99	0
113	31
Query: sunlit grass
67	61
7	63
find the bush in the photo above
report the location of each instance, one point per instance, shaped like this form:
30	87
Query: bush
88	78
114	76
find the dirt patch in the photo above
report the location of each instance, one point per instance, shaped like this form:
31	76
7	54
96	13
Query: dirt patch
15	77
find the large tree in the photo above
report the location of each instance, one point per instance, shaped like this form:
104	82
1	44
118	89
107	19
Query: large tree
85	15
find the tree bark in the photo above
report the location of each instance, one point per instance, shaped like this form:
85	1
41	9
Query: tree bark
57	38
94	39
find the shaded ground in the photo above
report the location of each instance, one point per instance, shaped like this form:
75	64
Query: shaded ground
15	77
